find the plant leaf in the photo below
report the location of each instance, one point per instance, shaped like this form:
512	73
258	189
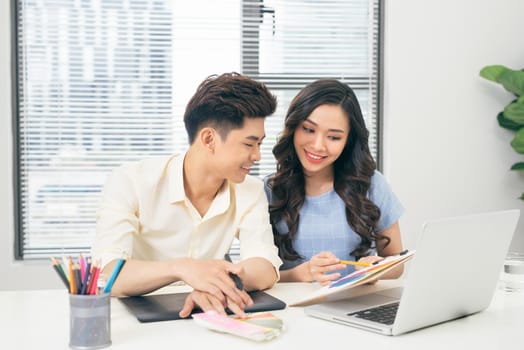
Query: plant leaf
515	111
513	81
521	197
518	166
508	124
493	72
518	141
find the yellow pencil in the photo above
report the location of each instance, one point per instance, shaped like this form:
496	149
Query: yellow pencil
72	286
356	263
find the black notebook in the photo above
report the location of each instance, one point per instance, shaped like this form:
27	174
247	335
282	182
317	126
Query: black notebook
165	307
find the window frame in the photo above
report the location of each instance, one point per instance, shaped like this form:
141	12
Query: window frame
16	153
17	188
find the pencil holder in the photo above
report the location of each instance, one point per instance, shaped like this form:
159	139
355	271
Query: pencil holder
89	321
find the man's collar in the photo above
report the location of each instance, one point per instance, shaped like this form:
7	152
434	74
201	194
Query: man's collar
175	176
177	193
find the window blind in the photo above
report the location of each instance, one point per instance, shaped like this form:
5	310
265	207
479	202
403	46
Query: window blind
103	82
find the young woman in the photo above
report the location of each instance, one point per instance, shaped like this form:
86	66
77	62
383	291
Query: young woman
327	200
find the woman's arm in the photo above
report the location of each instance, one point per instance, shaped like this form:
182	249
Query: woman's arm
315	269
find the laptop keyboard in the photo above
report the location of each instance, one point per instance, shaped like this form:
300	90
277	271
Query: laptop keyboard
384	314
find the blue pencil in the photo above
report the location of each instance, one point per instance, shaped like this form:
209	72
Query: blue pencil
114	275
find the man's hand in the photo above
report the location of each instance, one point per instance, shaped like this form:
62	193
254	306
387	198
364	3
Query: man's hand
208	302
213	277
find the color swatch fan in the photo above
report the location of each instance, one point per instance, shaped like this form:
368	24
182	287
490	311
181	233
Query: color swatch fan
357	278
257	326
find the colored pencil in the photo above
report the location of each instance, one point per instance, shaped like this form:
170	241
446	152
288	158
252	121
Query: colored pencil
82	263
86	277
60	272
78	278
72	287
93	287
355	263
114	275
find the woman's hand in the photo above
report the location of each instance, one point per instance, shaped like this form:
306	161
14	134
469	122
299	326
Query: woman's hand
319	266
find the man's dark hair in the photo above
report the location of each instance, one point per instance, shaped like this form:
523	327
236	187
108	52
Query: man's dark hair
222	102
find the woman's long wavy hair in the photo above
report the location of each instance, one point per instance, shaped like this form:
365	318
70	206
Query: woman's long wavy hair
352	170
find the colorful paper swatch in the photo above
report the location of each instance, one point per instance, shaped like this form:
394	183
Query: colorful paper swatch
257	326
357	278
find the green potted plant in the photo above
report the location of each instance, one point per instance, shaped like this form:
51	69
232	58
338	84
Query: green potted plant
512	117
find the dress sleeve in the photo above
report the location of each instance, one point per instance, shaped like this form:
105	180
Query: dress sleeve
381	194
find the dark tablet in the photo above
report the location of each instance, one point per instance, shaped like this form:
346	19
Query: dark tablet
165	307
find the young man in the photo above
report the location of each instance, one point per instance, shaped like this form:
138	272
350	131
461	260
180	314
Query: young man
174	218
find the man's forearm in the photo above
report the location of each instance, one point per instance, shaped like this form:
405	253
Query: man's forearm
139	277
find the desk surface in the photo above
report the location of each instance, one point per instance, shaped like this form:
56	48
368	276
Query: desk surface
40	320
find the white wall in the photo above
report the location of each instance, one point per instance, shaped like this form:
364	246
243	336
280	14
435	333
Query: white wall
444	153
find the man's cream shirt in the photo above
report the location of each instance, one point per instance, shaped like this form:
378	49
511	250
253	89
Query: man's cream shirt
145	214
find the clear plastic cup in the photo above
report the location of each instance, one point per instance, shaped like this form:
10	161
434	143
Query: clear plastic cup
512	278
89	321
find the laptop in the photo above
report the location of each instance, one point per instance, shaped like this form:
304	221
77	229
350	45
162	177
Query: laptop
165	307
454	273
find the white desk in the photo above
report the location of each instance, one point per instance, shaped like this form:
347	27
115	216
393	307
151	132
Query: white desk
40	320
